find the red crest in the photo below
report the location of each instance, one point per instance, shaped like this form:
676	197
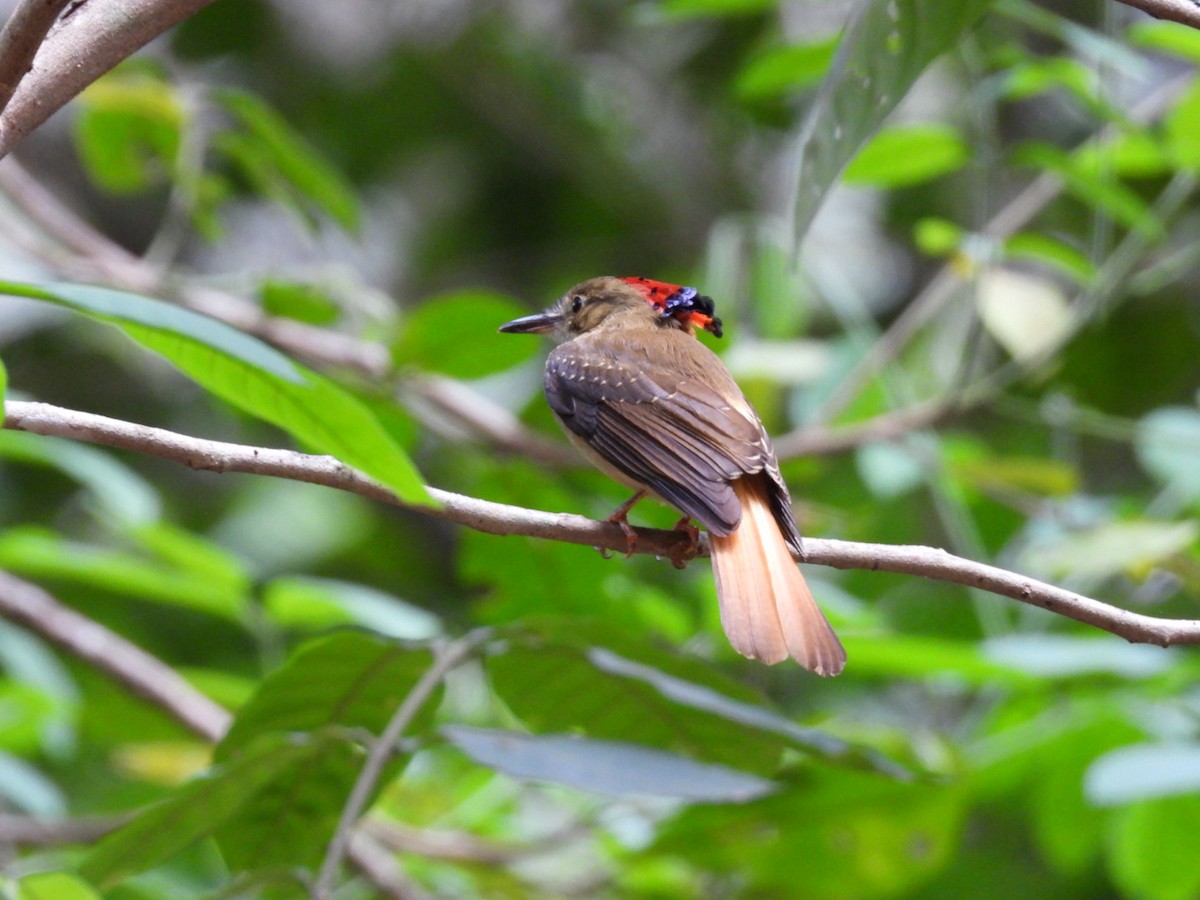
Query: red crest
684	304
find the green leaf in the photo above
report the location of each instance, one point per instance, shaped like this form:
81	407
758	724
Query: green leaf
1093	186
894	656
1069	831
591	681
338	685
1144	772
280	163
1167	443
3	386
1077	79
1153	849
887	45
889	469
298	300
783	70
1168	37
291	819
55	886
873	837
120	492
1024	474
1127	154
556	687
317	603
1182	135
1110	549
1052	253
28	789
605	767
1065	656
456	334
31	716
36	552
128	129
708	9
250	375
194	555
193	811
349	680
937	237
908	154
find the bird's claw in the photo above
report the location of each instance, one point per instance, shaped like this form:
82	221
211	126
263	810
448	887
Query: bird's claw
631	538
680	557
618	518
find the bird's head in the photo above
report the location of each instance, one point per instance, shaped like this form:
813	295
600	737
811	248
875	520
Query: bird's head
592	303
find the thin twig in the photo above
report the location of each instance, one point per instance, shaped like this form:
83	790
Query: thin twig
23	34
145	675
491	421
377	863
37	832
153	680
461	846
499	519
824	440
381	750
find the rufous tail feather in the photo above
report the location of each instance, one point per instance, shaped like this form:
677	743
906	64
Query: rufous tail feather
767	610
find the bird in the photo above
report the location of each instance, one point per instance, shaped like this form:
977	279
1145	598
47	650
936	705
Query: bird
654	408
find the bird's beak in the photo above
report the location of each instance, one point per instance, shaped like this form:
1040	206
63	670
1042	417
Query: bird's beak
535	324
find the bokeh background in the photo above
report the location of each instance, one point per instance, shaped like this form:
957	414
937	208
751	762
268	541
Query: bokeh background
987	339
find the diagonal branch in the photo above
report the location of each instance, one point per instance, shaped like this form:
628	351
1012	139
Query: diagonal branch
146	675
155	681
499	519
86	44
1185	12
446	658
23	34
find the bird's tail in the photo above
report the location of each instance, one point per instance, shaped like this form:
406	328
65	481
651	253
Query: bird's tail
767	610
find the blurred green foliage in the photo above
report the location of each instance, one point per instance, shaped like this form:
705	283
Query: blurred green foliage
997	204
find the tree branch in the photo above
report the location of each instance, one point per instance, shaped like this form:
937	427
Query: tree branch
23	34
1186	12
145	675
95	256
445	659
155	681
499	519
86	44
30	830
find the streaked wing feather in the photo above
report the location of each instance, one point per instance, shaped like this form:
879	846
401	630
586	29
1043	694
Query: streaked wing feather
676	434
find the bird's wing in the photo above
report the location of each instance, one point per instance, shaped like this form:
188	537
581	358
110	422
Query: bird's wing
674	429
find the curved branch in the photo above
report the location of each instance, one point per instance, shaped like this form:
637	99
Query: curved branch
1185	12
499	519
23	34
86	44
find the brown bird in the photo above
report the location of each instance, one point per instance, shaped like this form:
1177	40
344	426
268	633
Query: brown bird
658	411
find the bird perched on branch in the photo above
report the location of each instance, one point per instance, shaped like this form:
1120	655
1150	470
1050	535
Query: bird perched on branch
658	411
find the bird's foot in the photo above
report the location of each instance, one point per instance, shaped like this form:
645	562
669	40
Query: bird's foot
619	518
680	557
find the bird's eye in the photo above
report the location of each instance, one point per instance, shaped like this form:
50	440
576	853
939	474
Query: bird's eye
576	304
